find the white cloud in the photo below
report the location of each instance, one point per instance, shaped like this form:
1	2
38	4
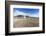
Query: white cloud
34	15
19	13
22	13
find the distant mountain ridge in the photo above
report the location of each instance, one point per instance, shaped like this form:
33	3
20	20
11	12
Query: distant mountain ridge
19	16
25	16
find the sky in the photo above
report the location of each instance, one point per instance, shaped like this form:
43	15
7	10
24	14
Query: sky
26	12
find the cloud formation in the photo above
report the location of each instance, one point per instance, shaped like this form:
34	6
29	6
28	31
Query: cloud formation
17	12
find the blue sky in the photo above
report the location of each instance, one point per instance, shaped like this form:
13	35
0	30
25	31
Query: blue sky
26	12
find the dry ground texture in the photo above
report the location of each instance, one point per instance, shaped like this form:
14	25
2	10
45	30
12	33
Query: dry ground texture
25	22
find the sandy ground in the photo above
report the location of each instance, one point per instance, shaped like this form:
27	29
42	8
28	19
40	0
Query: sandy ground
26	22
